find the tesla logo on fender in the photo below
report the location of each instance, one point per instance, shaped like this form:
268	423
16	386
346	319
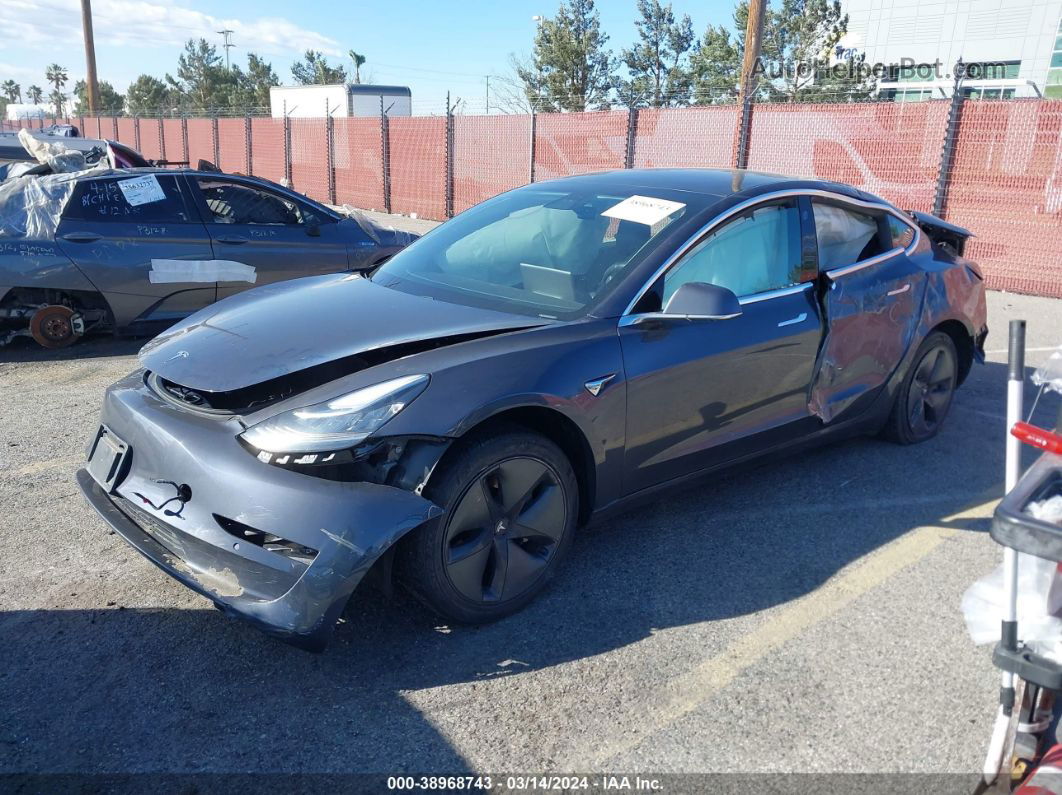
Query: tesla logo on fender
594	386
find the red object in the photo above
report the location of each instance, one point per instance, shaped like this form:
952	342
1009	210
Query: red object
1046	779
1038	437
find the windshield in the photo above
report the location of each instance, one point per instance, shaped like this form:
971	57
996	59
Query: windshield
544	251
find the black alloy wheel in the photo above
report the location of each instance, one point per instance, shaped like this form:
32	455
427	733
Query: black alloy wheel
926	392
511	502
505	530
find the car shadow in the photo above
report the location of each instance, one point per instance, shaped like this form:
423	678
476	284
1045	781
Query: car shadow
25	349
167	689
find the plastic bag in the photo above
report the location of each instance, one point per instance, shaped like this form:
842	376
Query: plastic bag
60	158
1049	374
1039	606
400	237
1048	510
30	206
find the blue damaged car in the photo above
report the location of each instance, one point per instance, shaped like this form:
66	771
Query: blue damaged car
140	249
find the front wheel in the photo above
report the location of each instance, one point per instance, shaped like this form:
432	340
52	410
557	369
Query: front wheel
925	395
511	504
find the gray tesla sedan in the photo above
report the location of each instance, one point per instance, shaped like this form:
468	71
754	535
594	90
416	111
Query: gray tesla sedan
539	361
138	249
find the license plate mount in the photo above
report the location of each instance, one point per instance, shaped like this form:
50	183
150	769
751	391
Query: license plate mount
107	457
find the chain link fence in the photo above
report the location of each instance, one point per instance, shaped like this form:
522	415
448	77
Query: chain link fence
993	166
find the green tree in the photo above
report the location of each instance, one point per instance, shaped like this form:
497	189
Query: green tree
12	91
657	63
314	69
715	64
359	61
148	95
34	94
251	93
799	38
111	102
570	68
203	84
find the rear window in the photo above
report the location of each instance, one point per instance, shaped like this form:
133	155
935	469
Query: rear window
844	236
901	234
134	198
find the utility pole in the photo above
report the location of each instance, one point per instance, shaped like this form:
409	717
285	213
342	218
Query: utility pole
92	87
228	45
487	77
747	87
753	45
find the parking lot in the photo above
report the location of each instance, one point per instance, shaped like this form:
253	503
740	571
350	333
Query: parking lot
799	617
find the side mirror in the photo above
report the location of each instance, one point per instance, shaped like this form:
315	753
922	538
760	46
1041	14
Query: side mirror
702	301
313	229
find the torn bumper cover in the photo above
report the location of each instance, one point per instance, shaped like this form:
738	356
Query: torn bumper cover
281	549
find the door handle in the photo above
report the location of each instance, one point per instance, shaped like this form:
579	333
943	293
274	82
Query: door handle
794	320
232	241
81	237
900	290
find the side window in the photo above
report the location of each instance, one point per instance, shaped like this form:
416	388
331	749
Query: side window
844	236
233	203
758	251
143	198
900	234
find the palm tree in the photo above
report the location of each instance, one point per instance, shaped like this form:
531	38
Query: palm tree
358	60
34	94
11	90
56	75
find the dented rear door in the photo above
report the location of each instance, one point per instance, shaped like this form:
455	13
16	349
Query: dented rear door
872	300
140	242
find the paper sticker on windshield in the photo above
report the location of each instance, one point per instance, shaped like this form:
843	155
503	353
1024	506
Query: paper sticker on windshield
644	210
141	190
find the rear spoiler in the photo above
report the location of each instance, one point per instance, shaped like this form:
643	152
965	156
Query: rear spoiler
941	232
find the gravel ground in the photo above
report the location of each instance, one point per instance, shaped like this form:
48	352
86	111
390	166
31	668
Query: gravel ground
802	617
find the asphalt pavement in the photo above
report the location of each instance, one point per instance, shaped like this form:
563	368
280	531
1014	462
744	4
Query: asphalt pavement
800	617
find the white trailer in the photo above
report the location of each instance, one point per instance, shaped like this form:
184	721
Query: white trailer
339	100
25	110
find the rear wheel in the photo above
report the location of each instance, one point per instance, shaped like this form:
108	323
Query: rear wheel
924	397
511	505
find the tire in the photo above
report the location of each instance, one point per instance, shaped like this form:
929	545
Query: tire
926	392
483	559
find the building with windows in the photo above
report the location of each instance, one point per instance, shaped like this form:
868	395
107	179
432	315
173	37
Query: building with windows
1013	47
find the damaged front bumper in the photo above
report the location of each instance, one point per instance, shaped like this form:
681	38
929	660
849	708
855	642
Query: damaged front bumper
279	548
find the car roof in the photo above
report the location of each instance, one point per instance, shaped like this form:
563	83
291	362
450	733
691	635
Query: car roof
719	182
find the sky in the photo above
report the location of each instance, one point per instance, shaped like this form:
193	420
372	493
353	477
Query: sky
432	46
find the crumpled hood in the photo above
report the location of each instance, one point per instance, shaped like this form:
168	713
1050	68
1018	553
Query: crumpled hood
282	328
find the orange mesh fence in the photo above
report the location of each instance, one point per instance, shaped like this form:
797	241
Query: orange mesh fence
1006	187
358	165
232	145
126	134
149	139
267	148
891	149
200	141
492	154
700	137
418	165
171	130
579	143
309	157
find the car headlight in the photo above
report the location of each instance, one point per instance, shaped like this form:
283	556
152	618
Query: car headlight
338	423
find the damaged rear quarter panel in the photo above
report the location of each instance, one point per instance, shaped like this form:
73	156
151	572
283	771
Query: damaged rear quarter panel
875	321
